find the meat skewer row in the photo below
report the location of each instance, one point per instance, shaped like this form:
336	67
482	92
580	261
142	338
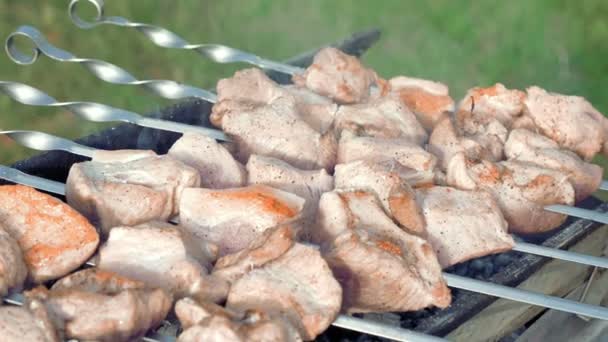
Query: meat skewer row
43	141
452	280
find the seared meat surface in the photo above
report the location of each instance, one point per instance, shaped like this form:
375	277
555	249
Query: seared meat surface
381	267
481	105
129	193
233	218
102	306
54	238
13	270
462	225
429	100
18	324
527	146
522	190
388	181
318	111
217	167
338	76
165	256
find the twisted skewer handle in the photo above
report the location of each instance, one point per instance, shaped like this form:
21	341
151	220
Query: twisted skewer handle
105	71
167	39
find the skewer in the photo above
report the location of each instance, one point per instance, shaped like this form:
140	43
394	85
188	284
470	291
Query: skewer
468	284
98	112
46	142
167	39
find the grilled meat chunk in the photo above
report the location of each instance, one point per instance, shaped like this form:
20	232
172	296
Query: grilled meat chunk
524	145
462	225
380	267
13	270
18	324
217	167
429	100
338	76
233	218
102	306
209	322
54	238
129	193
570	121
278	174
165	256
276	130
522	190
384	117
318	111
388	181
249	85
482	105
298	286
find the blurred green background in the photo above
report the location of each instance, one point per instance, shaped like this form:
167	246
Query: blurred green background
557	44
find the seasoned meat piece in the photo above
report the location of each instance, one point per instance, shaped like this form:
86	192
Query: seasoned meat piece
429	100
18	324
338	76
522	190
480	105
249	85
318	111
276	130
297	286
102	306
379	149
209	322
13	269
128	193
217	167
162	256
525	121
233	218
527	146
276	173
463	225
267	247
380	267
388	181
54	238
121	156
384	117
446	140
570	121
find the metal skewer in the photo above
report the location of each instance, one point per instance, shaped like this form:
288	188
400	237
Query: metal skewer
98	112
167	39
491	289
47	142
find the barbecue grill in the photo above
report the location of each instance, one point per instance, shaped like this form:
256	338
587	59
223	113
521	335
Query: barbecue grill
160	132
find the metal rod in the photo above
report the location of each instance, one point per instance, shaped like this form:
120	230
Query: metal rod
580	258
604	185
382	330
579	212
105	71
167	39
15	176
98	112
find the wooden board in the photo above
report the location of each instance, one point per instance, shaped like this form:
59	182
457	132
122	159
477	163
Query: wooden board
556	278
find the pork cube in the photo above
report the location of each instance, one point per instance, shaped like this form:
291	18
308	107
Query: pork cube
162	255
276	130
462	225
54	238
318	111
128	193
278	174
338	76
388	181
19	324
217	167
233	218
522	190
297	286
215	323
381	267
480	105
571	121
102	306
384	117
430	101
13	270
249	85
527	146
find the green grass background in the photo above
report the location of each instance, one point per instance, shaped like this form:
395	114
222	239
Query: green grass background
557	44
